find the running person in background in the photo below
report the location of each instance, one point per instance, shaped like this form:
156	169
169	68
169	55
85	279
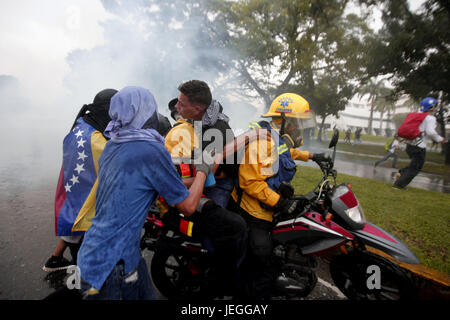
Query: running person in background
348	134
393	147
416	149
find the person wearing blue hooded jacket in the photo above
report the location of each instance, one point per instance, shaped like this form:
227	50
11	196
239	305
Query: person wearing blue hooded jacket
134	169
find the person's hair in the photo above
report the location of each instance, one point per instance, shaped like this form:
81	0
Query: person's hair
197	92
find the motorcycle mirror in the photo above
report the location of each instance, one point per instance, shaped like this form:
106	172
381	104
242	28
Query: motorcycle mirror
286	190
334	139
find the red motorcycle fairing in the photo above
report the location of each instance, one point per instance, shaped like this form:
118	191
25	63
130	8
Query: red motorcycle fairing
312	232
378	238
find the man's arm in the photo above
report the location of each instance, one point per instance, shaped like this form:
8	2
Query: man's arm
430	130
189	205
188	181
300	155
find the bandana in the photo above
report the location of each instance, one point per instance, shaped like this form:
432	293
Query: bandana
96	113
132	109
213	113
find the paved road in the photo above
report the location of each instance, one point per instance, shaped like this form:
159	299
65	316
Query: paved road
361	168
27	240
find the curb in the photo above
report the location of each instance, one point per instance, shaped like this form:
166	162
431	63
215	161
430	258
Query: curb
432	284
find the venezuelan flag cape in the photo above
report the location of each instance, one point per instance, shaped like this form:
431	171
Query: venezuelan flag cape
77	183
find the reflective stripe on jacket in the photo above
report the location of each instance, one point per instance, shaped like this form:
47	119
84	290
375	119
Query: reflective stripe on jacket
259	179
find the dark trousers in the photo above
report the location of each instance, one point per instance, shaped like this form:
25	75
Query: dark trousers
74	248
224	234
387	156
259	269
221	192
417	156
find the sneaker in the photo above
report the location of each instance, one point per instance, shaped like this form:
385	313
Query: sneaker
397	187
56	263
397	176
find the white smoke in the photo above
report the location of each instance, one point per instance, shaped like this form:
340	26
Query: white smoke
57	55
149	47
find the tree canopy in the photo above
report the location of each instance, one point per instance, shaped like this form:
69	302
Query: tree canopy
314	48
414	49
258	49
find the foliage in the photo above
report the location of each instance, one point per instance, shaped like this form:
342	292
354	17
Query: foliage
414	48
309	47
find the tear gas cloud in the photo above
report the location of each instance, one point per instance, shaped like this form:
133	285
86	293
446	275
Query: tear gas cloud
58	55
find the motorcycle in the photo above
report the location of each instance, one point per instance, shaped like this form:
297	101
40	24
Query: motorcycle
328	222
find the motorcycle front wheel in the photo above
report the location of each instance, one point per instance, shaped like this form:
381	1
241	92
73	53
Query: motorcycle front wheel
363	275
178	276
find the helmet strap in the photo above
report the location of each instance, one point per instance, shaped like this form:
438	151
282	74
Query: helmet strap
283	124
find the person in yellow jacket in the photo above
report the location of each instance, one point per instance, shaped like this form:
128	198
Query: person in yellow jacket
261	171
222	232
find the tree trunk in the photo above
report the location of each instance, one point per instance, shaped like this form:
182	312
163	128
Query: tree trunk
263	94
381	121
446	147
441	126
319	135
440	118
369	129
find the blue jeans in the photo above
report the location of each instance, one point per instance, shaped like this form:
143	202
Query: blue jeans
221	192
135	285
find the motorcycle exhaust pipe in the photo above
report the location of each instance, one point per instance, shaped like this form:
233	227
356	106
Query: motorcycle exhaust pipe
288	285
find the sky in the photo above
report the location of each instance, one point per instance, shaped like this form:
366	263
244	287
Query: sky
37	39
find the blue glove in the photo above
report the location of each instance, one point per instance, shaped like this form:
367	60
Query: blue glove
210	180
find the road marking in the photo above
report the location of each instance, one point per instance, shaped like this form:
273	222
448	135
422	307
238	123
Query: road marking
332	287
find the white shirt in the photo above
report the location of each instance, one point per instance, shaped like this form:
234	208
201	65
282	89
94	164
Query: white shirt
428	128
394	146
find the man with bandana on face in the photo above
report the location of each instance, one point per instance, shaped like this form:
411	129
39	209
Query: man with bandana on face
222	232
133	169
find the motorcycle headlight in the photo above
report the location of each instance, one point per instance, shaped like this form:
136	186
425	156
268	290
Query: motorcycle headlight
356	214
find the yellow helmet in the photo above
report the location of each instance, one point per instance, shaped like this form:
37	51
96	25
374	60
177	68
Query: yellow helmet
291	104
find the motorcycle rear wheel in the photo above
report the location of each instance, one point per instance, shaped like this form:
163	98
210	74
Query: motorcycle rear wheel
351	275
177	276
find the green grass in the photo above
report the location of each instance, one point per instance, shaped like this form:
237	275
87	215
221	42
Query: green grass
420	218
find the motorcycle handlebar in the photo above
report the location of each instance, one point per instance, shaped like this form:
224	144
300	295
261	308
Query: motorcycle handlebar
302	197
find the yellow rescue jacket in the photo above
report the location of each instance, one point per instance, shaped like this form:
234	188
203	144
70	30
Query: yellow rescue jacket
255	168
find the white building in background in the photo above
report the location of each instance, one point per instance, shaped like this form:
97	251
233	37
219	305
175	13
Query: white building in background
357	114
